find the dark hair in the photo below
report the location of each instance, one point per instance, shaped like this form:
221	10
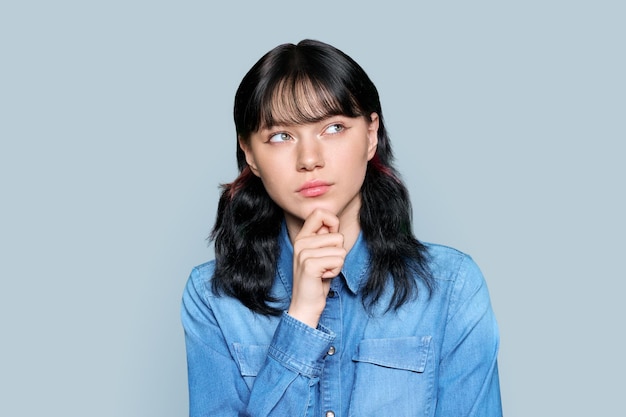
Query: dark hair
304	83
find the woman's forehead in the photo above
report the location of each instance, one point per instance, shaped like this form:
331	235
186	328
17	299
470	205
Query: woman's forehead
297	102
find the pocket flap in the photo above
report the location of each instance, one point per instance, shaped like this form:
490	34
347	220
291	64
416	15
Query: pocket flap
250	358
408	353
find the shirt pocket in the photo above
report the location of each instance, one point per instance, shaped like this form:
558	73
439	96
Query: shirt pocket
393	376
250	360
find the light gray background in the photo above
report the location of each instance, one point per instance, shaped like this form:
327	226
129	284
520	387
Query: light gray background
508	120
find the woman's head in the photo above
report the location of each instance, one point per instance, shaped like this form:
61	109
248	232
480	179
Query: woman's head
305	83
301	85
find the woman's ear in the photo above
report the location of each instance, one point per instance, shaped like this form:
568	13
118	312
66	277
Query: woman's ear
249	156
372	135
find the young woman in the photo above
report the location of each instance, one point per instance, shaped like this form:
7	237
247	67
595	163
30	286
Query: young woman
320	301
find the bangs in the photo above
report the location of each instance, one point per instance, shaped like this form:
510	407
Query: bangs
300	99
300	84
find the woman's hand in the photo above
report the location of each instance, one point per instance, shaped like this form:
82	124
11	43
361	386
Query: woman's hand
318	256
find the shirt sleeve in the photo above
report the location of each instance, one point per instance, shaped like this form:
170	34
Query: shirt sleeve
286	384
468	380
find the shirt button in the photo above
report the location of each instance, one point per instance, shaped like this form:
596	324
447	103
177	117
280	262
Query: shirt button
330	414
331	294
331	352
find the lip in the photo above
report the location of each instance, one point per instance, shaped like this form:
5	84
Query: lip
313	188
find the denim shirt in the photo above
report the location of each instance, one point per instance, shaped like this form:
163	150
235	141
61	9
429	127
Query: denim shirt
434	356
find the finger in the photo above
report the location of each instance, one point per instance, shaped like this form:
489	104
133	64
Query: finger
321	252
321	268
332	273
323	230
318	219
318	241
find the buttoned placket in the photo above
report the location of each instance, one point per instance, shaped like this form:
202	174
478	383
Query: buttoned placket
330	381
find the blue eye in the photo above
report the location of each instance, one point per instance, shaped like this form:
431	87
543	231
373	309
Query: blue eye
334	128
280	137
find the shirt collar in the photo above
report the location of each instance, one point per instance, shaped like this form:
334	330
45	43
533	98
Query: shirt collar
354	269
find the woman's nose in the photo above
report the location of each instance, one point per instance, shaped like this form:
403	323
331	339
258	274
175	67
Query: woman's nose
310	155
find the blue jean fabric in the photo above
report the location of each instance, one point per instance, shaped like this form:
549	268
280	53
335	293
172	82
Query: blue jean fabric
435	356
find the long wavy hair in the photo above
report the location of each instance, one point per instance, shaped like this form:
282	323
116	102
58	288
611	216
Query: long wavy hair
304	83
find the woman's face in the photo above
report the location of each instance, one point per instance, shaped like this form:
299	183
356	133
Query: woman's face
315	165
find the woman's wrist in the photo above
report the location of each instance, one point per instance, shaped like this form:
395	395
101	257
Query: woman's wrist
310	318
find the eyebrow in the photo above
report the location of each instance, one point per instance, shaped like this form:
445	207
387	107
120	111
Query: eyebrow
281	125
